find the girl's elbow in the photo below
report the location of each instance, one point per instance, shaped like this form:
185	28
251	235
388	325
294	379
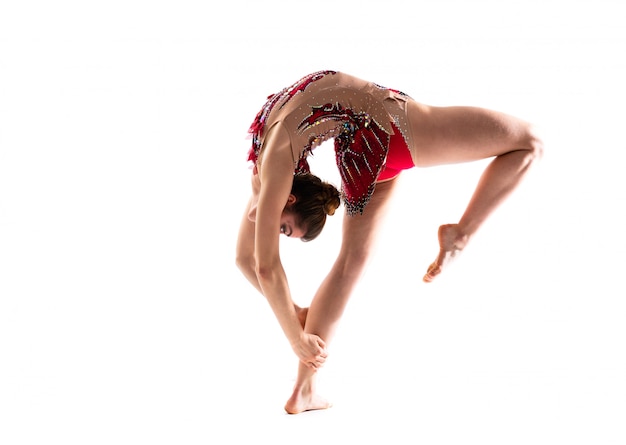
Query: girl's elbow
265	271
246	264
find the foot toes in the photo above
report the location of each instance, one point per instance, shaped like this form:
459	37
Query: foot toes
432	272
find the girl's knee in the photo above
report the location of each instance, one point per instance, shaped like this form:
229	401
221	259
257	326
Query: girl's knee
354	260
534	143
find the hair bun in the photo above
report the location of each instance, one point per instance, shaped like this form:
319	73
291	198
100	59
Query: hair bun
331	199
315	200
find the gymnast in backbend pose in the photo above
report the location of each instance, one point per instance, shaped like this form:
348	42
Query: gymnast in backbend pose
377	132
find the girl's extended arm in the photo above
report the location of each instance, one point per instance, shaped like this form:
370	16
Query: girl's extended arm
245	248
276	176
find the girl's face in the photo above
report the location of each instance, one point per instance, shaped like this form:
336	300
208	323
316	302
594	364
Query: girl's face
289	227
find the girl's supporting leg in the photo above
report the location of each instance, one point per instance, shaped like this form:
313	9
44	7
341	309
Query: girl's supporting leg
328	304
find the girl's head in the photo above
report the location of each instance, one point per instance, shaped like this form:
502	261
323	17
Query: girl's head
314	200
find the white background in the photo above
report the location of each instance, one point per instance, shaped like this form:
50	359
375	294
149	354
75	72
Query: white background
123	318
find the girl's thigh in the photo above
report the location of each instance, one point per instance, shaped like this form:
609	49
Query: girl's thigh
448	135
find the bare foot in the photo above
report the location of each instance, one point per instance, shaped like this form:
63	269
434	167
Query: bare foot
451	242
305	400
302	313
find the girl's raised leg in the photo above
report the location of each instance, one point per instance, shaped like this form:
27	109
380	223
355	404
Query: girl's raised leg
447	135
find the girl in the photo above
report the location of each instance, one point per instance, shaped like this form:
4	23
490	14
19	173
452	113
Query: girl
377	132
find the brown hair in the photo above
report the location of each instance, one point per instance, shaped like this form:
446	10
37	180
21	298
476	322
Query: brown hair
314	200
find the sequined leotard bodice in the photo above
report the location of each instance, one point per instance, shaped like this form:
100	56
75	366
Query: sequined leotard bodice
361	117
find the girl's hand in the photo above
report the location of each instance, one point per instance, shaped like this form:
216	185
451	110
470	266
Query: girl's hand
311	350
